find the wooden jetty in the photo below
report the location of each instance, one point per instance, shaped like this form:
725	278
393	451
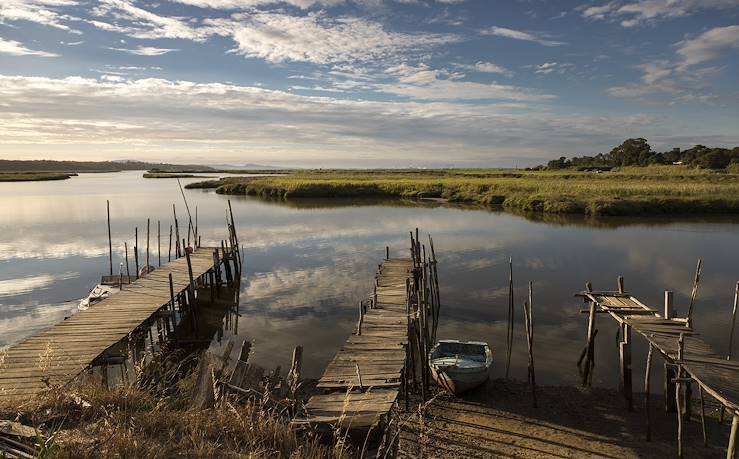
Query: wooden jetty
363	381
688	359
59	354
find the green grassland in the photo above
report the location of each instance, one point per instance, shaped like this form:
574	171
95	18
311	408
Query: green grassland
623	191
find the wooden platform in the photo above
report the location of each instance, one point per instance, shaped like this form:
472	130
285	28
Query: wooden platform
377	351
60	353
716	375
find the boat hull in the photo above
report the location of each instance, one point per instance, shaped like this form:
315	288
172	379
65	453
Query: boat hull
457	383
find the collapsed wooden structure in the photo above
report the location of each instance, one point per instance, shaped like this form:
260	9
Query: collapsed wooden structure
687	358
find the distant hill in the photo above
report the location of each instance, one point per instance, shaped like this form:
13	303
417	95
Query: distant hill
247	167
47	165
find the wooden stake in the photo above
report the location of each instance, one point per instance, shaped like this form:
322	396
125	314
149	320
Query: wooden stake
293	377
169	251
361	319
148	224
647	395
177	231
527	311
511	317
694	292
387	252
668	304
159	241
731	341
678	396
703	416
136	250
621	284
589	347
128	271
626	380
110	241
731	450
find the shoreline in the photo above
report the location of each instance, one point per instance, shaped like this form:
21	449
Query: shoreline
35	176
651	191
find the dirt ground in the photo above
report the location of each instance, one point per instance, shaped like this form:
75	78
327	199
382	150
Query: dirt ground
498	420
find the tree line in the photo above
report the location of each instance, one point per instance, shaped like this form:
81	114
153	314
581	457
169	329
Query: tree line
637	152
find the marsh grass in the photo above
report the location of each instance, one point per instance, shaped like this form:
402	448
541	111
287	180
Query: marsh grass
624	191
33	176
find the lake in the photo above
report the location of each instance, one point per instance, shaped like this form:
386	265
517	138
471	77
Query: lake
309	263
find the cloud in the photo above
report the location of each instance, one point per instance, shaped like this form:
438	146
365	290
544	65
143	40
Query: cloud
708	45
486	67
634	13
244	4
318	38
15	48
552	67
136	22
520	35
157	118
145	50
39	11
679	77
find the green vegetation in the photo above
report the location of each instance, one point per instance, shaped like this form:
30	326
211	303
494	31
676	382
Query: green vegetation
152	174
46	165
32	176
637	152
621	191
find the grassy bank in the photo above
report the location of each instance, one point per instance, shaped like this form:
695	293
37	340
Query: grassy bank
625	191
170	175
33	176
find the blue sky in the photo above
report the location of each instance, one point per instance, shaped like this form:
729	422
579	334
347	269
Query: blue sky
364	83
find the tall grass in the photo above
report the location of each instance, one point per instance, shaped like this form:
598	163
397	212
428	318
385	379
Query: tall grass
644	190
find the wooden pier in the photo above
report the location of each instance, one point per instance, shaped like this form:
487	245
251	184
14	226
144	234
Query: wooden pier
56	356
688	359
395	328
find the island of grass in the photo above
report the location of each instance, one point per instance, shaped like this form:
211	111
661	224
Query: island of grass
152	174
34	176
658	189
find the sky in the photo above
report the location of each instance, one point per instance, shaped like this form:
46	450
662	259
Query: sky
364	83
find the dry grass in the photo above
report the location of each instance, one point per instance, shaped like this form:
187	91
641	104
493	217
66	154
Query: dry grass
646	190
131	422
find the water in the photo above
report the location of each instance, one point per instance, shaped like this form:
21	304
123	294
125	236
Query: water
308	264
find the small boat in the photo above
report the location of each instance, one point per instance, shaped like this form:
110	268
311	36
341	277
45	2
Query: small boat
460	366
97	294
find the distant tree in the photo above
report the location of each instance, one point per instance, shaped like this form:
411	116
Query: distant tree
633	152
560	163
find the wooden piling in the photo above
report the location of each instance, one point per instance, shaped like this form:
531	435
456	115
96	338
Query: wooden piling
294	376
387	252
110	240
128	271
511	317
169	251
668	313
159	241
625	360
226	265
530	345
148	224
731	341
647	392
621	284
589	344
679	396
703	416
731	450
136	250
177	231
361	319
694	292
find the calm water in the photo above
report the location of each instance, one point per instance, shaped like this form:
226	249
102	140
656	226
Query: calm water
308	264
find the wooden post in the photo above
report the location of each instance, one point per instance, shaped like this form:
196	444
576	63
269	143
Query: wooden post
589	348
647	395
110	241
668	304
196	227
128	271
235	236
159	241
359	377
703	416
169	251
731	450
694	292
387	252
172	303
511	317
621	284
148	224
361	319
733	321
679	396
626	380
529	341
193	287
226	265
177	231
136	250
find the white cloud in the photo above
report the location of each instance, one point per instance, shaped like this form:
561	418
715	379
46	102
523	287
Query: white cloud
708	45
486	67
129	19
157	118
15	48
552	67
680	78
633	13
521	35
317	38
39	11
243	4
146	50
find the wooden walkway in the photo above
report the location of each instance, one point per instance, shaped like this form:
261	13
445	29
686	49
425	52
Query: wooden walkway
362	382
716	375
59	354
